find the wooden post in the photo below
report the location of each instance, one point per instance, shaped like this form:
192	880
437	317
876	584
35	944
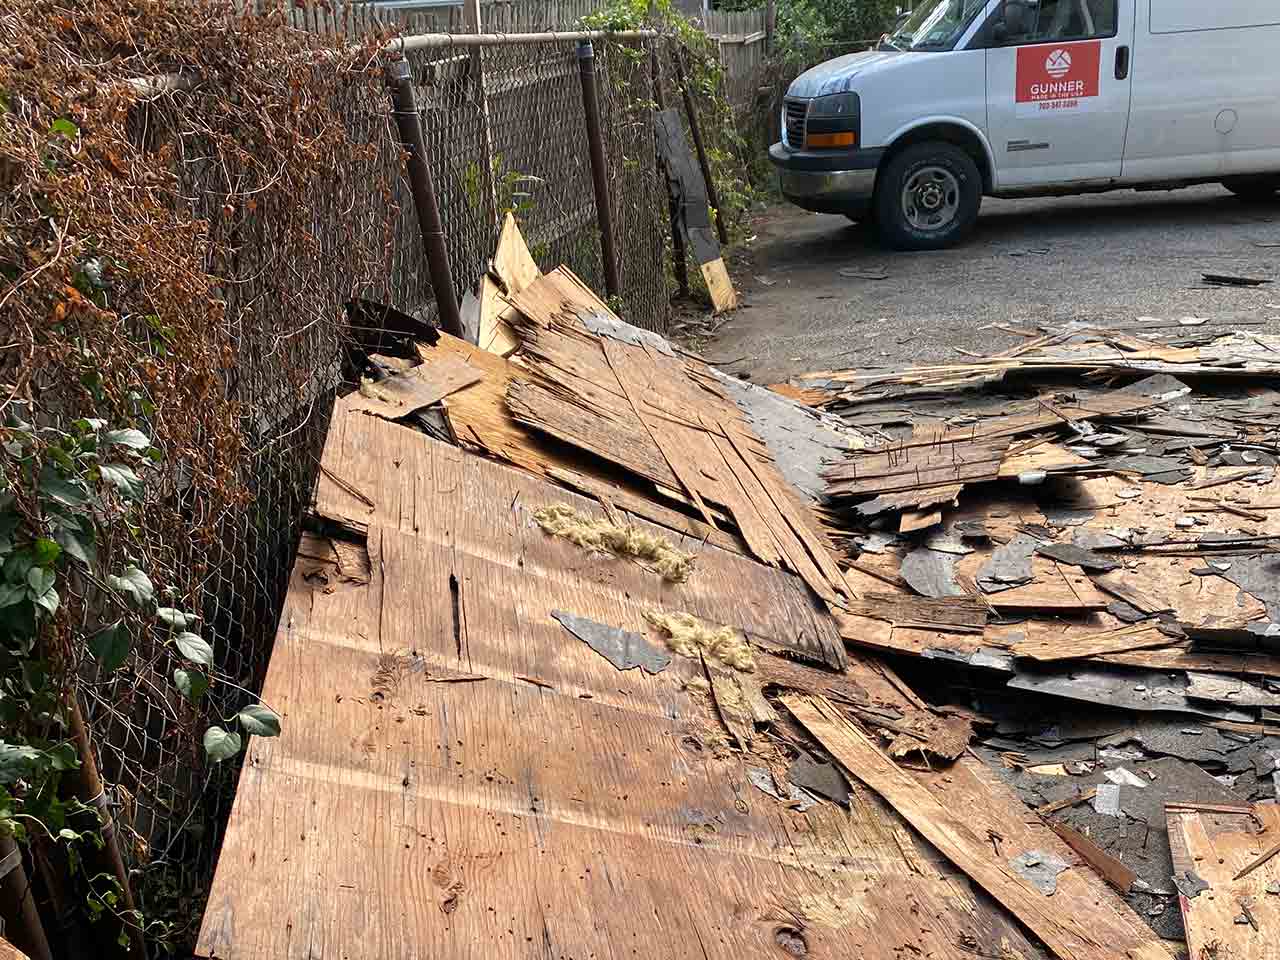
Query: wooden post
679	255
712	194
599	169
471	18
770	24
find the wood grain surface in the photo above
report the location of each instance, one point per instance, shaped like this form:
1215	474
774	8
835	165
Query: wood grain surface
459	776
1234	919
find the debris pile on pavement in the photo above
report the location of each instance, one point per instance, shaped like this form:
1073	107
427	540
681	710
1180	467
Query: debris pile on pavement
972	661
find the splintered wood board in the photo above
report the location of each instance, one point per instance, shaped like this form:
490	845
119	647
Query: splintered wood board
1083	920
719	285
401	470
480	420
512	263
412	390
1215	846
627	397
495	334
557	805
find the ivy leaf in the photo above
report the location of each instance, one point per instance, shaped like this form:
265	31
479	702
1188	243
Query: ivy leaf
110	645
123	479
191	684
16	761
64	127
44	552
133	439
259	720
77	541
48	601
134	583
194	648
89	424
178	619
64	757
57	487
40	589
11	593
220	744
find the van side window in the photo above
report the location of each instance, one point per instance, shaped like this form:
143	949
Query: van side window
1044	21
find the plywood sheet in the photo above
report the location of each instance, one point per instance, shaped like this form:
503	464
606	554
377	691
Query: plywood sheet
556	807
400	471
1235	917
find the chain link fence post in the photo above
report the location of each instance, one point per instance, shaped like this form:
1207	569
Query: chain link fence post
599	169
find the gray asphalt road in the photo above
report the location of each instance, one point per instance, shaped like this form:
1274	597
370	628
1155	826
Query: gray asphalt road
1115	257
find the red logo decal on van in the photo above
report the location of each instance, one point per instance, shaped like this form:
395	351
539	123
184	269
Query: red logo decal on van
1064	71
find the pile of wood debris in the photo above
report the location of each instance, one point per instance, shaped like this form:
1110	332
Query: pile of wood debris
594	648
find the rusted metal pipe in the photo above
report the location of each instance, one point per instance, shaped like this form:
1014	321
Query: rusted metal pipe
679	257
409	123
599	172
18	906
713	195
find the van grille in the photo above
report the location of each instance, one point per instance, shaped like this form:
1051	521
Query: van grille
795	112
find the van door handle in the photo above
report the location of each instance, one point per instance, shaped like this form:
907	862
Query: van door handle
1122	63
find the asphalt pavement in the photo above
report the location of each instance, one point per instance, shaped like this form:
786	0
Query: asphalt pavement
1107	257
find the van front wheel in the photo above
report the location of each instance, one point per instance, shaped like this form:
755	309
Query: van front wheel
1253	188
927	197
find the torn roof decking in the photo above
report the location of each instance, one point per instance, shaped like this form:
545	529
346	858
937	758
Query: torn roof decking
1222	858
558	803
408	479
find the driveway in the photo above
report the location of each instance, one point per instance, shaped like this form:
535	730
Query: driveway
1111	257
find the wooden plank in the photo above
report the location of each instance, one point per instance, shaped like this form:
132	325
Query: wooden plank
494	333
512	264
1081	920
1235	916
1055	588
1047	643
719	285
419	387
1112	870
946	615
9	952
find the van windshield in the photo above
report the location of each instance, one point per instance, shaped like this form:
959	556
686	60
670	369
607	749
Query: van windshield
936	24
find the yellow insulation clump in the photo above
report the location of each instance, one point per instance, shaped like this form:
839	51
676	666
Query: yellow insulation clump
561	520
690	637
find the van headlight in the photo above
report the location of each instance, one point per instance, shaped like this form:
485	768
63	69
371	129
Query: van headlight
834	121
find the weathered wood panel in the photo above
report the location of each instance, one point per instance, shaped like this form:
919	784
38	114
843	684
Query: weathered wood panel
431	490
459	776
1237	916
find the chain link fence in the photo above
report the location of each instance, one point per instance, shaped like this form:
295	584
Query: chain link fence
505	132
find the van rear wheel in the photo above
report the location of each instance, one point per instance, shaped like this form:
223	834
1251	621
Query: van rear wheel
927	197
1253	188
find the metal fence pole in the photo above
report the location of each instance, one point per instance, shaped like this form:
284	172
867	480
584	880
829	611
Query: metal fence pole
712	194
409	122
599	172
679	256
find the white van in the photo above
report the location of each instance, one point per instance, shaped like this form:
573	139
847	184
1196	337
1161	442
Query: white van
1014	98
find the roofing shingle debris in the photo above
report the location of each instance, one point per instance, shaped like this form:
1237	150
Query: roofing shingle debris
1010	621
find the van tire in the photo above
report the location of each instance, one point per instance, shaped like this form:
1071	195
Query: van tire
927	182
1253	188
